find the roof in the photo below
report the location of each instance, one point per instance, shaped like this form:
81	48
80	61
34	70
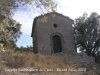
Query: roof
41	16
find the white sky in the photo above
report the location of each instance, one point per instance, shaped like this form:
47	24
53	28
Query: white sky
70	8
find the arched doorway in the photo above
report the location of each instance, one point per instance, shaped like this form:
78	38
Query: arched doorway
57	47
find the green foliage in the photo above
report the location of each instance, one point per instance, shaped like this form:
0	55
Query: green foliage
87	33
97	57
9	31
9	28
24	49
48	5
7	7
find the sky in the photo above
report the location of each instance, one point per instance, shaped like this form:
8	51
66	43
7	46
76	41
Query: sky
71	8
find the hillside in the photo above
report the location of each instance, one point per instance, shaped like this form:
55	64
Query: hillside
27	63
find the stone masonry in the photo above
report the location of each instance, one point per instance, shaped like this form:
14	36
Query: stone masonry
53	33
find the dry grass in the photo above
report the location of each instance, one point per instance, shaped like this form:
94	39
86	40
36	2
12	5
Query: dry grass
48	64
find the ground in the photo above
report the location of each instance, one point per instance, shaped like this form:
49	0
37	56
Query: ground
28	63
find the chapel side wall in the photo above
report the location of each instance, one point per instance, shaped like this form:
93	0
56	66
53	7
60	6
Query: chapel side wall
43	38
69	40
66	30
46	29
35	49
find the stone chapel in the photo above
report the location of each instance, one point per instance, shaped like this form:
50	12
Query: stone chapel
53	33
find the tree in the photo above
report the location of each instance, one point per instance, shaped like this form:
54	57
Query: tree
9	32
24	49
9	28
7	7
87	33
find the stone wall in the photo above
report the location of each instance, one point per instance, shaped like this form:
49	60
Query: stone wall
44	30
81	58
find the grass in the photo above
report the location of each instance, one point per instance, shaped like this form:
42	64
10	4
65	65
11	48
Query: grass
37	64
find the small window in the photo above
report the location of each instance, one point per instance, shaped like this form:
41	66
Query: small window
55	25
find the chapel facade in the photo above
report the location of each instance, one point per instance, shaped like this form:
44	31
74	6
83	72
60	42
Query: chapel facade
53	33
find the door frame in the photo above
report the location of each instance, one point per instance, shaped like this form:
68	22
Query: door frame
51	42
57	42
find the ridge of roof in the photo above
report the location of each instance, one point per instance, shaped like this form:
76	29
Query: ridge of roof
41	16
60	14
